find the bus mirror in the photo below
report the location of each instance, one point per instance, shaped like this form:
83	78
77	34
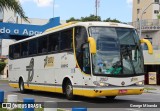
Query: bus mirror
92	43
149	45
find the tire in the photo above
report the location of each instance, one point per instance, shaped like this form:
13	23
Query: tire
69	91
110	98
21	86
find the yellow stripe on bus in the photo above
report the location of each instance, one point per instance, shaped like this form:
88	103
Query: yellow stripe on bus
44	88
83	92
61	26
14	85
115	92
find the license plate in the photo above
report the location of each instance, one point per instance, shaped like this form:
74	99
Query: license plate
123	91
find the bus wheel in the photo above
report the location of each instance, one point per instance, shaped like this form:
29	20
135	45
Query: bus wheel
69	91
21	86
110	98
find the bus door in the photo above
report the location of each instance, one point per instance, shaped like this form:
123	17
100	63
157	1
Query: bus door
86	66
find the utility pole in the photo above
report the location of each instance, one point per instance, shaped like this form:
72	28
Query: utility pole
53	7
97	5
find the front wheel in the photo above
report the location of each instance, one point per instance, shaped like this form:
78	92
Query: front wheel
69	90
110	98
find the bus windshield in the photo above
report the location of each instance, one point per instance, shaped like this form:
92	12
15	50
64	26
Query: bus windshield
118	51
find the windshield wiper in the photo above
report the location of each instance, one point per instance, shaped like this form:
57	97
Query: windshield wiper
127	52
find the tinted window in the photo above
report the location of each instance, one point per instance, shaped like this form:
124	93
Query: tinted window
33	47
16	51
66	40
24	49
42	44
53	42
11	50
80	38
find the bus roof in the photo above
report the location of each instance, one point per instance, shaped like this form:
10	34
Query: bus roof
76	23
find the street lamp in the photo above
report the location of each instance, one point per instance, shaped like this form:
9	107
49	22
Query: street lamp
143	12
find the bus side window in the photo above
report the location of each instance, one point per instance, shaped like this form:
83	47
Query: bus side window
42	44
53	42
66	40
33	46
24	49
86	59
16	53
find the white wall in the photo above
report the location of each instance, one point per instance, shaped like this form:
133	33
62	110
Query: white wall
155	7
155	35
9	16
5	45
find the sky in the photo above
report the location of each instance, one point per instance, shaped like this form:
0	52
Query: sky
65	9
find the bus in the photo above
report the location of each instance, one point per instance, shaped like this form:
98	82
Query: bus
90	59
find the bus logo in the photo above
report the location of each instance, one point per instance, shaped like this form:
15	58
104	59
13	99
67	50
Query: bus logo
30	70
134	79
48	61
123	83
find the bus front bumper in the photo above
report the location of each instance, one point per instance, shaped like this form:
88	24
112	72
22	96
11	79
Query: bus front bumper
109	92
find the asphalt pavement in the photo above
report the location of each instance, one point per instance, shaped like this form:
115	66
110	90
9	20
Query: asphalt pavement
121	103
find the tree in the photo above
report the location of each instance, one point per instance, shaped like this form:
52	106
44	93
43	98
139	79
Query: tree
84	19
158	16
13	5
2	65
72	19
112	20
93	18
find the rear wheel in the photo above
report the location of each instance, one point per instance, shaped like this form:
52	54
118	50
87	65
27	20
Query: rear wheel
110	98
69	90
21	86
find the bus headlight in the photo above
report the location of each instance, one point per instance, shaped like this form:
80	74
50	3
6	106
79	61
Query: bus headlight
140	83
100	83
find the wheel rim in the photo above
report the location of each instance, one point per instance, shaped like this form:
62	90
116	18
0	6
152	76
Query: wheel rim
69	89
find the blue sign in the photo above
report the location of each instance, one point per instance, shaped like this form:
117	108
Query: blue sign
11	29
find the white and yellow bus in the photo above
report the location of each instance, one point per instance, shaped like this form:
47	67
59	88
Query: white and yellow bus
89	59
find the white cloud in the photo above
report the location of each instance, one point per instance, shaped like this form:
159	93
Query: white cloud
44	3
41	3
129	2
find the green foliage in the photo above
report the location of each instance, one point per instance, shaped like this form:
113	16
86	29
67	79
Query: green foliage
92	18
111	20
2	65
158	16
84	19
13	5
72	19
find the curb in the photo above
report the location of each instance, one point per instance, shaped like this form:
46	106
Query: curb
152	91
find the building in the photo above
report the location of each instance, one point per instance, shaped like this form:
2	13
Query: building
10	16
146	12
149	14
13	28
